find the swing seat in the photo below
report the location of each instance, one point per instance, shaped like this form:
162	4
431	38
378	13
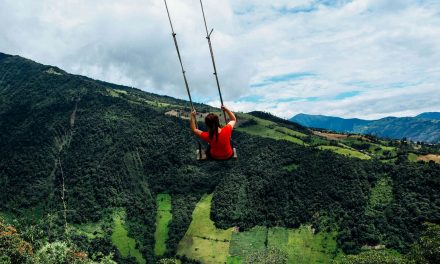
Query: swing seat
203	155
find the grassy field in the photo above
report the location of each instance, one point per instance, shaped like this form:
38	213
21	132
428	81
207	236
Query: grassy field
208	244
300	245
269	129
352	142
138	100
116	92
382	151
346	152
163	218
290	132
159	104
120	238
203	241
262	131
245	243
90	230
412	157
393	160
303	246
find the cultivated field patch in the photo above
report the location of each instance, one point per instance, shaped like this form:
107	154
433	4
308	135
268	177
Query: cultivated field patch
208	244
203	241
125	244
346	152
330	136
429	157
246	243
90	230
268	129
163	218
304	246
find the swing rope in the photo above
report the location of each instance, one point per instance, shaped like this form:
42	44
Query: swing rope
184	75
208	37
180	58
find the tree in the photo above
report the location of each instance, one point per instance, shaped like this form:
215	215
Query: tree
13	249
53	253
427	249
372	257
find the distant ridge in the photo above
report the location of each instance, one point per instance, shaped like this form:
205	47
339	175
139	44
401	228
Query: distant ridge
430	115
424	127
2	55
329	122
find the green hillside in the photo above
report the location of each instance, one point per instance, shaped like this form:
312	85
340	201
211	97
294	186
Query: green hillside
73	151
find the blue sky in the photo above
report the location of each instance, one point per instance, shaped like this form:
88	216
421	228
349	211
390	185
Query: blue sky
360	58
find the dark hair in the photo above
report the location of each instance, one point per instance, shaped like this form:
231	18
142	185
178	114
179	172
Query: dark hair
212	122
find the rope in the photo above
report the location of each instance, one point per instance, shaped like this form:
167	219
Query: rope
183	73
208	37
180	58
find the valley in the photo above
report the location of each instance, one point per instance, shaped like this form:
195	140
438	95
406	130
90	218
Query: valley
130	189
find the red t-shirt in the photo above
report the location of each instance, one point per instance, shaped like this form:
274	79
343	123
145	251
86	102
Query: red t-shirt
220	149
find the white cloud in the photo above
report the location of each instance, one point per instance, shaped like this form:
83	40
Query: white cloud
389	51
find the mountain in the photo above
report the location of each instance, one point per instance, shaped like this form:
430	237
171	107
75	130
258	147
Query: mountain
430	115
328	122
424	127
104	171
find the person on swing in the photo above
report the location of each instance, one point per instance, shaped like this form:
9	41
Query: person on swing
218	138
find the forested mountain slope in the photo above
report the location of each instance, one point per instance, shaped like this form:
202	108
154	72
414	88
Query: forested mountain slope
430	115
100	154
424	127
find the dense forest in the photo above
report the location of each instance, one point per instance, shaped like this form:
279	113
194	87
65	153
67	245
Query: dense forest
73	149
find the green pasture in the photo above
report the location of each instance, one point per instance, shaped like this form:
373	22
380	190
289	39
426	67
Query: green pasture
374	149
412	157
382	151
302	245
90	230
203	241
290	132
116	92
269	129
206	243
125	244
346	152
246	243
163	218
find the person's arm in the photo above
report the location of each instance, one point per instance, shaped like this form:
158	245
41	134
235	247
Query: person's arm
193	124
232	118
